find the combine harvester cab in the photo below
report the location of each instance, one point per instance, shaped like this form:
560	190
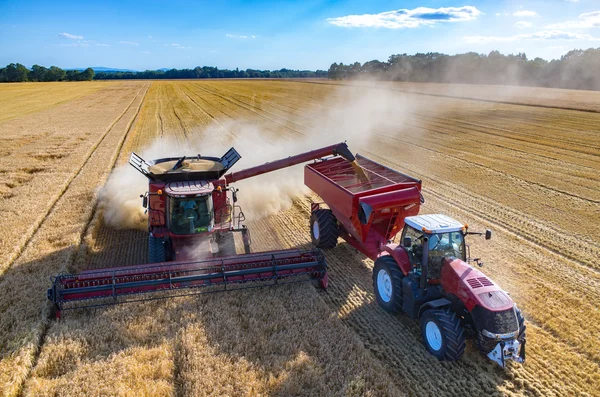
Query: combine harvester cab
192	218
428	276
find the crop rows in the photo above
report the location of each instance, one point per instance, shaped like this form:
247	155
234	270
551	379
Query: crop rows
526	172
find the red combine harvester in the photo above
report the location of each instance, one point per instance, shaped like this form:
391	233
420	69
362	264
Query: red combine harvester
428	276
192	216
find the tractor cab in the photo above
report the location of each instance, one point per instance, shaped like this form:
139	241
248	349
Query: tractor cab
190	207
428	239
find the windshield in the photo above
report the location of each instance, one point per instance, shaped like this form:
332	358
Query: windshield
447	244
440	245
191	215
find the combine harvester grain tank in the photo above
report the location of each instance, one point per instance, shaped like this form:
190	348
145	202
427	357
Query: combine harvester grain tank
193	215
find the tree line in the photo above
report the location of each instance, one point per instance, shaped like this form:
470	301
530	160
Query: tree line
210	72
15	72
578	69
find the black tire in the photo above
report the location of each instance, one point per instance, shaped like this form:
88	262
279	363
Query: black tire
388	265
522	326
226	244
452	335
325	225
156	249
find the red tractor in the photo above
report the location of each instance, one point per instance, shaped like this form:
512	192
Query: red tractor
428	276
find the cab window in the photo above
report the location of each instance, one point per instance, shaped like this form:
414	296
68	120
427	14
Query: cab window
191	215
415	251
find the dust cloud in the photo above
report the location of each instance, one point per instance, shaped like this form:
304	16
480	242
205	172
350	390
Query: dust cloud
352	114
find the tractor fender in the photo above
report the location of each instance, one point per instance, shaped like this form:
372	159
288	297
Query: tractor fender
434	304
399	254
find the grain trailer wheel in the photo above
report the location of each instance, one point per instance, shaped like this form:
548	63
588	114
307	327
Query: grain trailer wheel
323	229
387	284
443	335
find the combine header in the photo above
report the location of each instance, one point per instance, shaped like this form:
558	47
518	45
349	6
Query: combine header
192	218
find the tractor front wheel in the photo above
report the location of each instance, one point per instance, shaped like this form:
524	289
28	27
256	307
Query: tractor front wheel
443	335
156	250
387	284
323	229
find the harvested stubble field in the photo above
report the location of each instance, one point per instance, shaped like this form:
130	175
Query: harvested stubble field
529	173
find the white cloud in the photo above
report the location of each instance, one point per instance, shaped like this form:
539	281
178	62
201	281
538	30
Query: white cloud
128	42
572	1
523	24
70	36
177	45
102	45
542	35
79	44
146	52
525	13
405	18
233	36
585	20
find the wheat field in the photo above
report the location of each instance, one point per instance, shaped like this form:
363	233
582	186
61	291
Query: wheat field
522	162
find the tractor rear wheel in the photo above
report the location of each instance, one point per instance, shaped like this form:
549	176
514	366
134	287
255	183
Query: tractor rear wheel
387	284
323	229
156	249
443	335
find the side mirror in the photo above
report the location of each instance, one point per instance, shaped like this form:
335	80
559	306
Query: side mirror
234	194
488	234
407	242
144	201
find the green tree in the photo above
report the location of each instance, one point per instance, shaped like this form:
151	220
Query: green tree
88	74
37	73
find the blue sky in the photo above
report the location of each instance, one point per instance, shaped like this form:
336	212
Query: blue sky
267	34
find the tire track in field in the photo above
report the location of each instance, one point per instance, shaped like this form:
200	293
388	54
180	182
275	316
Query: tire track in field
528	132
250	109
63	190
470	133
532	141
540	122
185	132
540	241
88	221
457	97
577	174
202	109
494	170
